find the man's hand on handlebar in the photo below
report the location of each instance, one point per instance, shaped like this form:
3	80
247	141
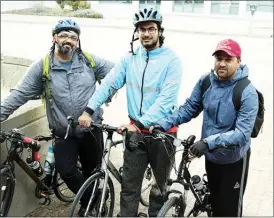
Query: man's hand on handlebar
85	120
157	128
128	127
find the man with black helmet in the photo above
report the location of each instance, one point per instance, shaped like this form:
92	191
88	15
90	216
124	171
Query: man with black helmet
67	89
152	74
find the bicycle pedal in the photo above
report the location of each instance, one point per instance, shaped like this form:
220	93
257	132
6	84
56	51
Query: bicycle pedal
47	200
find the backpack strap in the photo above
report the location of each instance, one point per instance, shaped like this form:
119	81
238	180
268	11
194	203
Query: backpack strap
237	92
205	84
92	63
46	81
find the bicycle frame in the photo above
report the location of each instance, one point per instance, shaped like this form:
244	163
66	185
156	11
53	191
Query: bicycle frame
13	156
105	167
184	176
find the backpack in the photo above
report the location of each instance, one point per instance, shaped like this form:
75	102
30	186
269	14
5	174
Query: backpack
46	76
237	95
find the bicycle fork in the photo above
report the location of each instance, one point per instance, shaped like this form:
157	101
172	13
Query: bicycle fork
104	168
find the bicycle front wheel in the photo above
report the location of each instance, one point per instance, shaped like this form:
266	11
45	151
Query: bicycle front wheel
108	205
148	181
173	207
7	191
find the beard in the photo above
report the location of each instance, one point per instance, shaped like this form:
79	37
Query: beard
65	48
149	45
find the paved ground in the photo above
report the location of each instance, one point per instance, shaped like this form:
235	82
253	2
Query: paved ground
33	40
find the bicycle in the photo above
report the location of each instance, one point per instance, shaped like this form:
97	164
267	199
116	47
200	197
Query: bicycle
101	180
175	200
18	142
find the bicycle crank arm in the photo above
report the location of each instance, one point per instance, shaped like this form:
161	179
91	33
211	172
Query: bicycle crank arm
47	200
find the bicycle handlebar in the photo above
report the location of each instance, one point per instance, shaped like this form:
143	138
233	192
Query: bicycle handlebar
104	127
188	142
26	141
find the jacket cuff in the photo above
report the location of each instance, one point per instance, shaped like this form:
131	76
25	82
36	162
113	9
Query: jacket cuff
89	111
211	141
139	124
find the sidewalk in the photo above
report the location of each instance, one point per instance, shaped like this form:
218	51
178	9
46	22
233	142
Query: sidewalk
171	23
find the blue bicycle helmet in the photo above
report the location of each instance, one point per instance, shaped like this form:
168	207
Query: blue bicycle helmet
147	15
66	24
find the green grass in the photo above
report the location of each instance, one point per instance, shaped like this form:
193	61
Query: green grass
85	13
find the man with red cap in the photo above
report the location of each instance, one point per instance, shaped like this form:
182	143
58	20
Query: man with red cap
226	131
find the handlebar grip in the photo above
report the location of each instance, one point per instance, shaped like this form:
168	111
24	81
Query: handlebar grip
156	131
28	140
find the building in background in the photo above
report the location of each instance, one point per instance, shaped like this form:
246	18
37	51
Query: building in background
234	8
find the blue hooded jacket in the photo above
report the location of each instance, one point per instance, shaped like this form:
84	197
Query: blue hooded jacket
152	81
222	124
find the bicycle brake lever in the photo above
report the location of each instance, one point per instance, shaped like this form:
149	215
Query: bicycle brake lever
68	127
124	133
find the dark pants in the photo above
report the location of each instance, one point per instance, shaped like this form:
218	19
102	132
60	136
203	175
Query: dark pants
227	186
134	167
67	151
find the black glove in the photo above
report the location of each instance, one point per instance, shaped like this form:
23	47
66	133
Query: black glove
157	127
135	140
199	148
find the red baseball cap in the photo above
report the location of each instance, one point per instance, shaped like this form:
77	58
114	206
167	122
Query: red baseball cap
229	46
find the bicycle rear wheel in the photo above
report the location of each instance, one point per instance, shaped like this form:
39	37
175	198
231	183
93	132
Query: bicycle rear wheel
7	191
62	192
173	207
109	202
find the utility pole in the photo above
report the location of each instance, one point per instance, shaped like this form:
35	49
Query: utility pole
252	8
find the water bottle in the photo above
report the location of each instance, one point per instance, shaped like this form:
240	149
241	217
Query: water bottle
35	166
49	162
49	165
198	184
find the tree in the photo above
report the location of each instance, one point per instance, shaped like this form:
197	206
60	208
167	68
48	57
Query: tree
74	4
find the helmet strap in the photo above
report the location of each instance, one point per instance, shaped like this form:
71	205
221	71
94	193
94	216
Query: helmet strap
133	40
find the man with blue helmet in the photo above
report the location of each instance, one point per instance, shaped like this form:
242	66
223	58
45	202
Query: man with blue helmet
152	74
70	82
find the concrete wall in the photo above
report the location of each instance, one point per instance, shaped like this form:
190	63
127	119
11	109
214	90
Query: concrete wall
31	120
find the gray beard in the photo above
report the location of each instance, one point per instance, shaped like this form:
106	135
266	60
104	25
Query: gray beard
64	49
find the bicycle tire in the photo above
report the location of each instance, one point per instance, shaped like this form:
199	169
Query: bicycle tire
83	188
144	200
10	191
58	191
172	202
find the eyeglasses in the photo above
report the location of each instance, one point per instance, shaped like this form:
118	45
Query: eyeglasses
142	31
65	37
